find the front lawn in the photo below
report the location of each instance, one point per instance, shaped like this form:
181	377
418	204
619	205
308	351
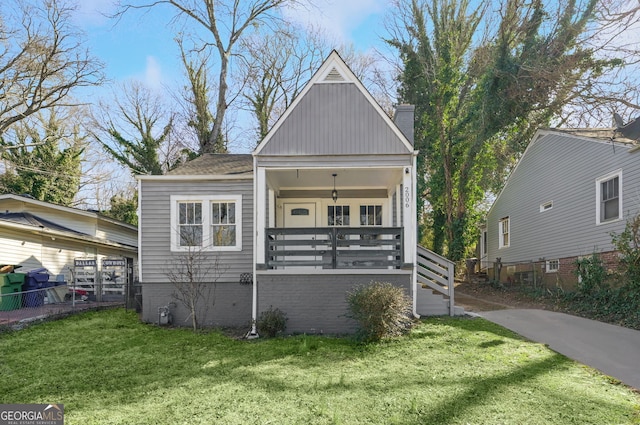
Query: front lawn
107	368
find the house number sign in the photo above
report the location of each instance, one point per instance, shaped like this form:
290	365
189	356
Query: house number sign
407	197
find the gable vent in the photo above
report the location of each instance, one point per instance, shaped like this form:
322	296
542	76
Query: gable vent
334	75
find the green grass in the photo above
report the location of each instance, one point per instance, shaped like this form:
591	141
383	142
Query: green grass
107	368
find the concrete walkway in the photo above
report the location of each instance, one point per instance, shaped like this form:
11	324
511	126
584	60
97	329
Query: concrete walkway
613	350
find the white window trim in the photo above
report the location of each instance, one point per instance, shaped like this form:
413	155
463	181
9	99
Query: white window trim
354	205
552	270
599	180
206	221
500	235
546	206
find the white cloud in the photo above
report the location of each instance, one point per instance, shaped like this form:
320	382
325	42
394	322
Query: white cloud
338	17
153	74
93	12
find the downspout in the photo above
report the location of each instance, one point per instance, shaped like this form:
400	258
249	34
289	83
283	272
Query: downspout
253	333
139	211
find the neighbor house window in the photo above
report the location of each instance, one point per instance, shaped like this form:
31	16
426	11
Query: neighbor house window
503	229
209	223
546	206
553	266
609	198
338	215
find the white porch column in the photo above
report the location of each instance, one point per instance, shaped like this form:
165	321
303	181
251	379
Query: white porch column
260	205
409	213
410	210
398	206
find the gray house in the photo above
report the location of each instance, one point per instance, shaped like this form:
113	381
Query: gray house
325	202
568	193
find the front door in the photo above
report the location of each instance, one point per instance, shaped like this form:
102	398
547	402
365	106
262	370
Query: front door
300	214
297	215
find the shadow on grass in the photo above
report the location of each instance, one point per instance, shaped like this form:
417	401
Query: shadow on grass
492	343
112	358
484	389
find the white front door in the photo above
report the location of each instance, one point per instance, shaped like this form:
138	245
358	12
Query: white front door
300	214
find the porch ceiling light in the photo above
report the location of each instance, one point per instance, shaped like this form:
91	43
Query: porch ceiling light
334	192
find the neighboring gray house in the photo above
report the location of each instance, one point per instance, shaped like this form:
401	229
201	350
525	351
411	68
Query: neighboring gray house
325	202
568	193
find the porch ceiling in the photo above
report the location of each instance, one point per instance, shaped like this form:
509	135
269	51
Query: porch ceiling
346	178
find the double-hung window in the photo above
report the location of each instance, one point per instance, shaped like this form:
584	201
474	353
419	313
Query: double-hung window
190	224
211	223
223	223
609	198
504	229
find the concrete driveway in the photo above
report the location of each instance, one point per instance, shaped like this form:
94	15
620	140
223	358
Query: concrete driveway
613	350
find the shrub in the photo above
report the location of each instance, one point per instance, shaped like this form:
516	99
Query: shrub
591	274
381	309
272	322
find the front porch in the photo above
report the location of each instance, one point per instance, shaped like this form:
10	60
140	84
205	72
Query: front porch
318	217
335	248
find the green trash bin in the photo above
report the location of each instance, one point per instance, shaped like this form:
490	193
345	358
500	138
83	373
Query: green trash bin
11	291
10	297
10	279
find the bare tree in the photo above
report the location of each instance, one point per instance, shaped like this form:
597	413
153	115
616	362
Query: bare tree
137	131
41	59
223	24
197	98
194	274
612	34
275	69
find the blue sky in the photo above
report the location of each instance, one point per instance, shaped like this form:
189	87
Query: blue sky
141	45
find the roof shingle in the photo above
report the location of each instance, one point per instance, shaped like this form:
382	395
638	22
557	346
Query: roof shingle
216	164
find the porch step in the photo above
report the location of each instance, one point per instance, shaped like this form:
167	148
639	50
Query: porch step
429	303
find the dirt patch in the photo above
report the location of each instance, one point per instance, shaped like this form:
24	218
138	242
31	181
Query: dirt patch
476	297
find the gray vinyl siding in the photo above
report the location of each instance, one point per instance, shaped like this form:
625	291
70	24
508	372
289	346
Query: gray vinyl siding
316	303
334	119
562	169
155	211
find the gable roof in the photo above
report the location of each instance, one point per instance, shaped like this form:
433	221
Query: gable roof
602	136
71	210
334	115
25	221
28	219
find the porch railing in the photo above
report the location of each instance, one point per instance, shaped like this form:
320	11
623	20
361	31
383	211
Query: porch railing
436	272
334	247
